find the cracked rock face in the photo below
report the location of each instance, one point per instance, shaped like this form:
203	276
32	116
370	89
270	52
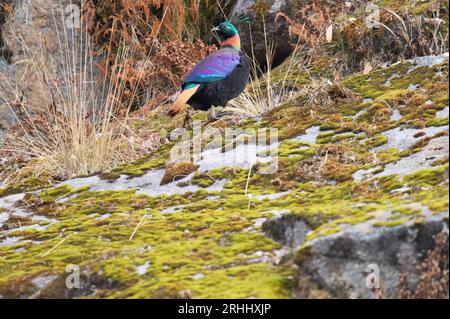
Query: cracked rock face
288	230
30	29
277	32
31	26
6	115
344	262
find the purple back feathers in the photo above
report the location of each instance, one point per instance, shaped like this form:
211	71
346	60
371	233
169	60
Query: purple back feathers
214	68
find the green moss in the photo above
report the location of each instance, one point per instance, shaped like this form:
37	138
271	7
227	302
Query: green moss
322	233
290	148
437	122
26	184
204	236
140	167
325	137
328	125
428	177
390	223
183	244
377	140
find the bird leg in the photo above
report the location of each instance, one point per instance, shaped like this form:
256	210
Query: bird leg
212	116
188	119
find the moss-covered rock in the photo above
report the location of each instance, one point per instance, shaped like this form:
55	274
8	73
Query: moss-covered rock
178	171
134	234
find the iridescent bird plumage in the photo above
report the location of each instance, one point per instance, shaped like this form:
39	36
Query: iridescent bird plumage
216	67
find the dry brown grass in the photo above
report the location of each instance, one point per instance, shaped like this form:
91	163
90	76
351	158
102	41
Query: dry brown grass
402	33
134	20
131	52
433	274
160	32
264	92
331	162
78	130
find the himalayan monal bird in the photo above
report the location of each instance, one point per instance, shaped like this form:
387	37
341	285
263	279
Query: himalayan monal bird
218	78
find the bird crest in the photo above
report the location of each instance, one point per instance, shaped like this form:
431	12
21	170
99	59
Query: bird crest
240	19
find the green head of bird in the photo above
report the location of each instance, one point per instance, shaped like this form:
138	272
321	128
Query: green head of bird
227	29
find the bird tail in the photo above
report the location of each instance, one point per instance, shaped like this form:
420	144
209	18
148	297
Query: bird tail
182	99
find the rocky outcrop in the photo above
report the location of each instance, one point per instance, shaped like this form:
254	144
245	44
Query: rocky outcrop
6	95
32	33
360	260
359	191
264	27
271	22
6	115
289	230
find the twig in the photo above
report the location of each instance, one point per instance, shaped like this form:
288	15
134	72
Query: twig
137	226
246	186
56	246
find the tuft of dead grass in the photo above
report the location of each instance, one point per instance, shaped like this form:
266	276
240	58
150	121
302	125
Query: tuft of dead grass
262	93
402	33
433	274
79	129
158	31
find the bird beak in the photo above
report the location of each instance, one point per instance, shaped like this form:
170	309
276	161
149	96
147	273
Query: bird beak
215	29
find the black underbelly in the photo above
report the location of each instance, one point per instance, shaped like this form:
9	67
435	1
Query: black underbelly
220	92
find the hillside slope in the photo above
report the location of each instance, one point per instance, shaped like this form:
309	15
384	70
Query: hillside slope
362	180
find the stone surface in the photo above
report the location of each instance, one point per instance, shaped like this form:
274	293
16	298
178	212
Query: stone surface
268	29
253	38
35	74
31	29
6	80
289	230
342	262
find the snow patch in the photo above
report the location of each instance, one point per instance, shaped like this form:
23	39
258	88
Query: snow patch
310	135
403	138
